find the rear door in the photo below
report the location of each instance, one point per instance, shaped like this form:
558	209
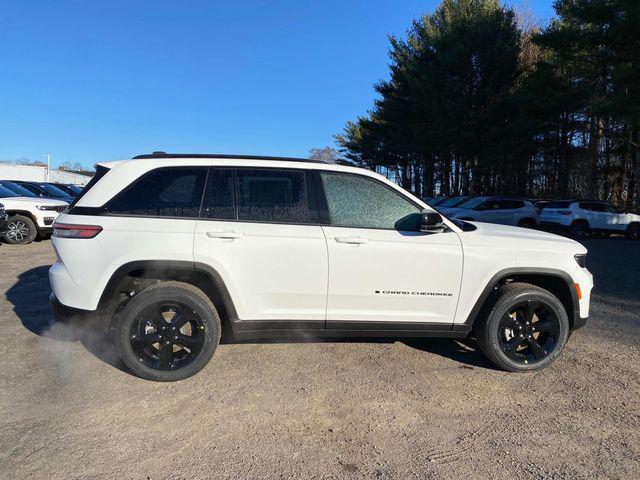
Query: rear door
383	272
259	231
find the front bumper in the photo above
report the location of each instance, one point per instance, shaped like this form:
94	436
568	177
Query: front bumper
3	224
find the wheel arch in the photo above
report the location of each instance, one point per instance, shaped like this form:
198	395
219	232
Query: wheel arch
133	277
25	213
555	281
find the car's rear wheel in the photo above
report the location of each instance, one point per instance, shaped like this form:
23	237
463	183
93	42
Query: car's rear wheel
579	229
526	328
20	230
168	332
633	231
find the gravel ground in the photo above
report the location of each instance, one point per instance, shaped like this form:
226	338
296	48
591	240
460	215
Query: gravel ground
380	410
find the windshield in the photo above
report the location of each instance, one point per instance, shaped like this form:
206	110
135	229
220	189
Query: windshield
453	202
17	189
5	192
74	188
53	191
472	202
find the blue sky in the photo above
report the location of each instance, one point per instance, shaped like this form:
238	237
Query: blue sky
90	81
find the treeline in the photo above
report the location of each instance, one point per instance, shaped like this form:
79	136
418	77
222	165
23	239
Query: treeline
482	101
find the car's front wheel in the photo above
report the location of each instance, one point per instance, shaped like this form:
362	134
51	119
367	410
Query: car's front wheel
526	328
168	332
20	230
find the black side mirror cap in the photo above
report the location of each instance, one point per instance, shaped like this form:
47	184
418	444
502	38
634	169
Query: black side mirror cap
431	222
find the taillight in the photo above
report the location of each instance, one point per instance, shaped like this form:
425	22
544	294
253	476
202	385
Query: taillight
65	230
564	212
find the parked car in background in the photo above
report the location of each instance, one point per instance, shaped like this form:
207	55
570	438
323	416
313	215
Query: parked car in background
45	190
28	217
72	190
503	210
583	217
18	189
3	219
433	200
450	203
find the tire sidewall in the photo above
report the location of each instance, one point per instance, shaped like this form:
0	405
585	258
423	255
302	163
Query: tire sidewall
33	231
502	306
123	323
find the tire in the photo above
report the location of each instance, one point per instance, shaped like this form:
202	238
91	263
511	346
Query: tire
144	319
633	231
493	332
527	223
579	229
20	230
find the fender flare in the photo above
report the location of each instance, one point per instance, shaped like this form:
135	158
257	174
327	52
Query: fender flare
515	271
162	265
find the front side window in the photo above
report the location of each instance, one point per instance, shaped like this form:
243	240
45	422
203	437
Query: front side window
278	196
166	192
360	202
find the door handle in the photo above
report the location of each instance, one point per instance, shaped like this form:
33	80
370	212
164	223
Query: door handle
225	235
352	240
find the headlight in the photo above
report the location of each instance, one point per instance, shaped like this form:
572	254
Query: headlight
46	207
581	259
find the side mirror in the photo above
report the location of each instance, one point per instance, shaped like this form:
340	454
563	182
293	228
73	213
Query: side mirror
431	222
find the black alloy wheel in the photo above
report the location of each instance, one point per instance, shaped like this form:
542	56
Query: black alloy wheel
168	331
525	329
529	332
167	335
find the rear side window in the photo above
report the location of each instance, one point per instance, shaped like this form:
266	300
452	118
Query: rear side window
272	196
558	205
166	192
357	201
510	204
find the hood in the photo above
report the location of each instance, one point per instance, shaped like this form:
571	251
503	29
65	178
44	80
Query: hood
501	236
8	201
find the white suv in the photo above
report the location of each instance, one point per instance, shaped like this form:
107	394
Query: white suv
28	217
582	217
503	210
169	251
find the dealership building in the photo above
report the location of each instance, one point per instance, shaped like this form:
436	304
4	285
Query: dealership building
36	173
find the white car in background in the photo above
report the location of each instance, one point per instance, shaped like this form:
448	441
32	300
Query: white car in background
582	217
28	217
502	210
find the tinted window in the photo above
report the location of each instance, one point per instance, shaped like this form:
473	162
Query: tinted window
5	192
510	204
272	196
220	201
356	201
558	205
168	192
15	188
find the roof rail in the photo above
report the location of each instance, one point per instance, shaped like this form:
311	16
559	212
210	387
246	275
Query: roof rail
222	156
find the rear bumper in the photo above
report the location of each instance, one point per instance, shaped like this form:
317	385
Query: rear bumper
64	314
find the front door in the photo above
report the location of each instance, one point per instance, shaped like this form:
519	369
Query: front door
382	269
